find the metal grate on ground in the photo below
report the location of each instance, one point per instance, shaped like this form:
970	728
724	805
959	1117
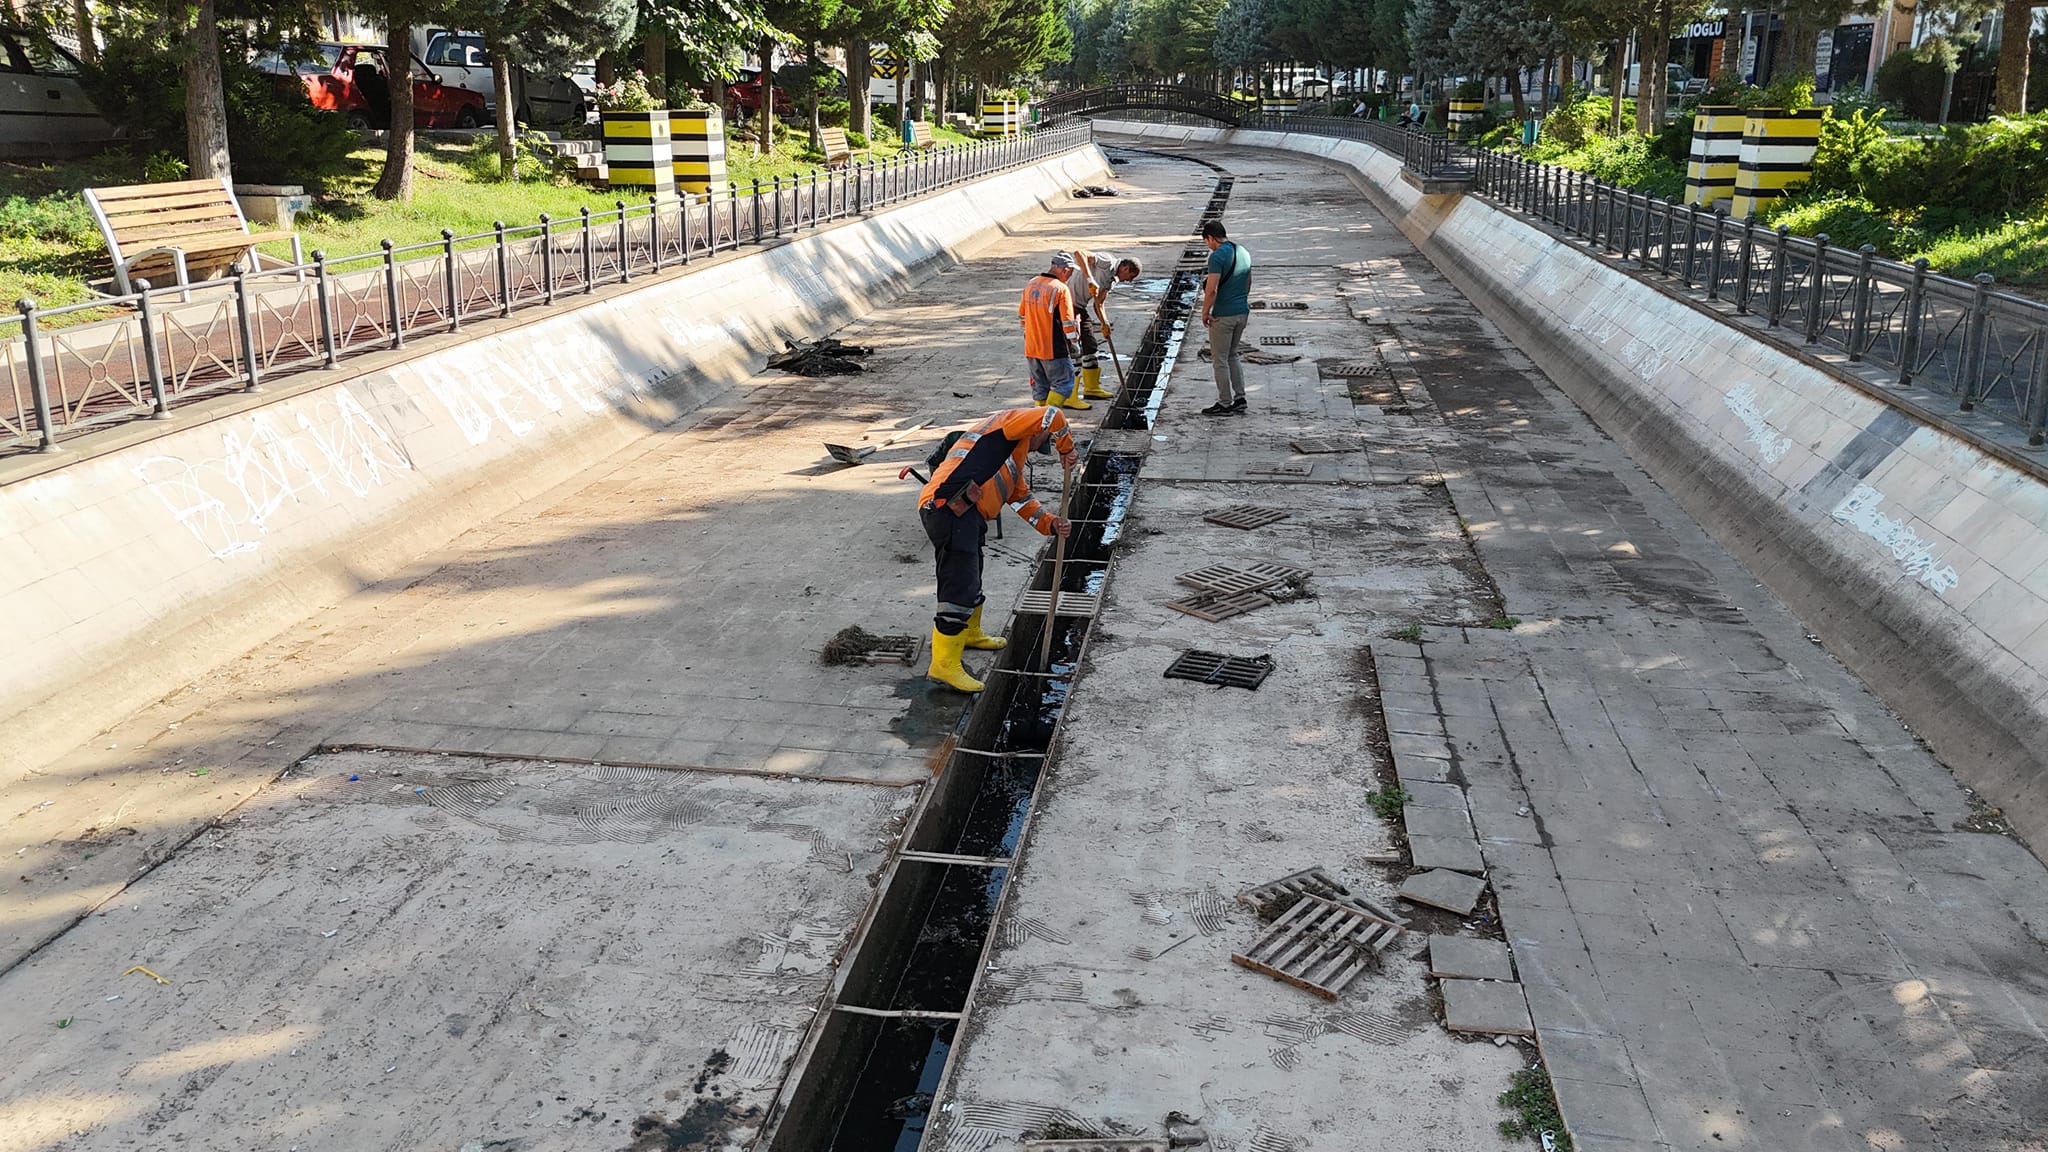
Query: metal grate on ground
1246	516
1317	445
1036	601
1279	469
1277	341
1281	305
1090	1144
1226	578
1214	606
1276	896
1320	946
1351	368
1215	668
893	650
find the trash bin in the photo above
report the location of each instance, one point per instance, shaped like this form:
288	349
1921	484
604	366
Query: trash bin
1530	130
909	130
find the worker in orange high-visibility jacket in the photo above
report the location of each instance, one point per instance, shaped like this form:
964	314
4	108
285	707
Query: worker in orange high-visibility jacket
983	471
1046	309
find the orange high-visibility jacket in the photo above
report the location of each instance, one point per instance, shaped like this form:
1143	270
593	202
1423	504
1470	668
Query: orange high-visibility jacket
992	455
1047	309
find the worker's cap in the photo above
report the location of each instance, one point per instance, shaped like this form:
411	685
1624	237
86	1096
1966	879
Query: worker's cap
1060	260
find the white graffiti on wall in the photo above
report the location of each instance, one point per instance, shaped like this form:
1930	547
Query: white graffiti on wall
229	502
1769	443
1859	511
578	371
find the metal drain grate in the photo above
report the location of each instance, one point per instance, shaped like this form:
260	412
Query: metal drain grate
1351	368
1141	1144
1214	606
893	650
1314	445
1278	469
1246	516
1276	896
1216	668
1035	602
1281	305
1320	946
1230	578
1277	341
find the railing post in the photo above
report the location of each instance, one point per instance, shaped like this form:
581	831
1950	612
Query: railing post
654	226
732	211
1817	289
683	223
814	197
1909	341
153	363
391	297
1774	303
2037	396
246	321
547	257
1745	255
504	270
859	199
323	294
625	249
448	278
1692	238
589	253
1974	344
757	212
777	185
38	386
1859	323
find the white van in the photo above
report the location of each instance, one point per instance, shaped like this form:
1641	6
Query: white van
459	60
44	111
883	68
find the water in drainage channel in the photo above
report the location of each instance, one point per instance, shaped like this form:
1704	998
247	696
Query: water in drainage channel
876	1063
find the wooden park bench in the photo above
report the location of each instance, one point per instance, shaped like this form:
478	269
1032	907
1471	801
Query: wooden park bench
191	228
838	150
921	134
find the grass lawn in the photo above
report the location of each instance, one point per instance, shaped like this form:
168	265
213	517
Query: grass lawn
50	247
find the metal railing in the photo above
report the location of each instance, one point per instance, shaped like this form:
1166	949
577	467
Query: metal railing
172	346
1896	324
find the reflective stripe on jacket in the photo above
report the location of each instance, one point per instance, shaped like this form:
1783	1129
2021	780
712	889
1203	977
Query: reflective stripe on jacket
992	455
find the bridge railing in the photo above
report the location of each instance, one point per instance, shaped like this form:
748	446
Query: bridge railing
1943	343
67	370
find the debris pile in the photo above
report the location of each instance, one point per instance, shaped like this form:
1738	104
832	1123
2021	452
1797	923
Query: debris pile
827	357
1088	190
856	645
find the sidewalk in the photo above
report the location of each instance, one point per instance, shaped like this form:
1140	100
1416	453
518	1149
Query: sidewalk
1747	909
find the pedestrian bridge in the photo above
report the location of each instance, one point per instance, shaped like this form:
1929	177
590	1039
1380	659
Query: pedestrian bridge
1229	110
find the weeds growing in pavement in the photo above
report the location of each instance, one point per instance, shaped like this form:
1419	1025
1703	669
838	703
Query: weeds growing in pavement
1535	1109
1388	802
1412	634
1502	623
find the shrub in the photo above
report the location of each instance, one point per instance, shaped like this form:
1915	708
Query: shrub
627	94
164	168
1849	221
1673	143
1571	124
1894	174
59	218
1912	82
1856	98
856	140
1844	137
834	113
1792	92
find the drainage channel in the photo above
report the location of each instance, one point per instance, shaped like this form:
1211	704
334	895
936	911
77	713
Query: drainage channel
870	1068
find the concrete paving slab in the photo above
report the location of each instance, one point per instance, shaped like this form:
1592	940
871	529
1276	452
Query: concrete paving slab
389	950
1469	958
1488	1007
1457	853
1450	891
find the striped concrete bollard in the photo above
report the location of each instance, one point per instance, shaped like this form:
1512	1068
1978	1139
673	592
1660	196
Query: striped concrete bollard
1716	151
1777	156
637	152
1465	111
999	118
697	136
1281	105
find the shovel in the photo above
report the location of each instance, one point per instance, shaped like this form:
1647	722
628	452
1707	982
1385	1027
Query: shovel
859	455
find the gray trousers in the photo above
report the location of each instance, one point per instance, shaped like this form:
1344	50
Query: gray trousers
1226	338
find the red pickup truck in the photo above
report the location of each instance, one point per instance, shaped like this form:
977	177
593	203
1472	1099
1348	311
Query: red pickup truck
353	79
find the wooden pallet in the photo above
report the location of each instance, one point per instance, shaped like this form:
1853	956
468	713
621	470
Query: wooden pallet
1246	516
1319	946
1272	898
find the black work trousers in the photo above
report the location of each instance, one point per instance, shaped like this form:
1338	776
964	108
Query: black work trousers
956	547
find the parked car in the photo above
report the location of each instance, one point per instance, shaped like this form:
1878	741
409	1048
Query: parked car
44	110
352	79
743	97
460	60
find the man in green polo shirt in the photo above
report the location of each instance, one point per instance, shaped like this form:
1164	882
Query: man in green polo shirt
1226	307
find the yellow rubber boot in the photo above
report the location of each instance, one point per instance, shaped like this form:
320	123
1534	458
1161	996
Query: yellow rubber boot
974	637
1072	400
1091	385
946	667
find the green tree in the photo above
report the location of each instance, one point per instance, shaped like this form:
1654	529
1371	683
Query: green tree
543	34
1244	37
2015	42
1501	38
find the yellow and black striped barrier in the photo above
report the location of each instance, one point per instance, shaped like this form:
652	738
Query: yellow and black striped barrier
697	136
1465	112
637	153
1716	151
1777	156
1281	105
1000	118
